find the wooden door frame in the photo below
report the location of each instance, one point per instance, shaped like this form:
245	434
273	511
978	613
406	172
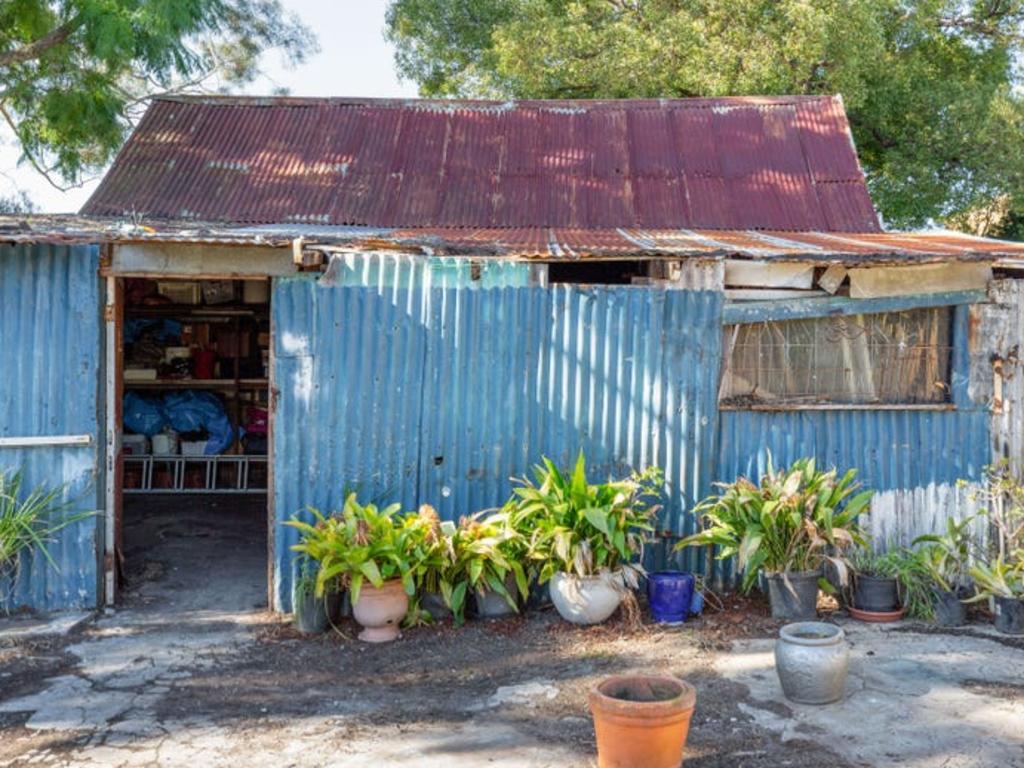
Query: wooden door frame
113	316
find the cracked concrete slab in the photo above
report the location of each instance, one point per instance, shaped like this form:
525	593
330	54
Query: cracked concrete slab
908	699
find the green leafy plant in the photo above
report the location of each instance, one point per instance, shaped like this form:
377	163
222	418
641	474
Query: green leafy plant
999	578
30	522
363	543
581	528
483	556
946	556
1002	498
794	519
910	569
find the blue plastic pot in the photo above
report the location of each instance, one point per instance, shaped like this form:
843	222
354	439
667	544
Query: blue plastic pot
670	594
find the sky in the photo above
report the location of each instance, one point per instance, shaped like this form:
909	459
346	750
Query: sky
354	60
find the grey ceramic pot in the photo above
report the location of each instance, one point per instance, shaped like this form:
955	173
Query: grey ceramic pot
812	660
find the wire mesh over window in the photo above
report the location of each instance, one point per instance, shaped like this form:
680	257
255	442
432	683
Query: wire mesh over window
889	358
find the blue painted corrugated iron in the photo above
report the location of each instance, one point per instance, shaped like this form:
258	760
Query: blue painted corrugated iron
441	394
50	318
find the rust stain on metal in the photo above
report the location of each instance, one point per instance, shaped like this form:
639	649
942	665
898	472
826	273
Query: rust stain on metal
784	163
534	243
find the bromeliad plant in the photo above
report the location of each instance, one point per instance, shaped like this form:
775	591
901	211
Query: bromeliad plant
999	578
363	543
795	519
29	522
580	528
946	557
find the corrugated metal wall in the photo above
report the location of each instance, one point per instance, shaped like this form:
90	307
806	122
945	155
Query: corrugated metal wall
50	317
441	394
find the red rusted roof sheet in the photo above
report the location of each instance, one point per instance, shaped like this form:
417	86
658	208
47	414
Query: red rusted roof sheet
731	163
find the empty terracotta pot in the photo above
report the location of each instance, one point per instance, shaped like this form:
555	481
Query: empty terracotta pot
380	611
641	721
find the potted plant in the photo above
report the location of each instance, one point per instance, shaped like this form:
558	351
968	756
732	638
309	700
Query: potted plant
376	554
583	537
1000	578
641	720
486	558
786	527
945	558
436	565
28	522
309	612
1003	582
888	585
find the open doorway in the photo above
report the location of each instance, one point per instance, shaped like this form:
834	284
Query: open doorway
194	462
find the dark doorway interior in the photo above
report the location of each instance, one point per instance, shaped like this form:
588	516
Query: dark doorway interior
195	433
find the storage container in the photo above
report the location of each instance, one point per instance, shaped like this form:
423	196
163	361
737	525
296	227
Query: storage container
218	291
193	447
256	291
180	292
177	353
165	444
135	445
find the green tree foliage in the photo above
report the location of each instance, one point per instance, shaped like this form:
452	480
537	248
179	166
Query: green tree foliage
929	85
74	73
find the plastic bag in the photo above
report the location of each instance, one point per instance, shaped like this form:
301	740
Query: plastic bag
191	411
143	415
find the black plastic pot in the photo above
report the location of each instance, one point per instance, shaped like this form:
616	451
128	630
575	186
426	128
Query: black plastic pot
1010	615
875	593
949	611
309	613
793	595
539	596
435	604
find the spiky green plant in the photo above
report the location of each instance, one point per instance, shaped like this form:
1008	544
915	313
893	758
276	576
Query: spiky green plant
794	519
30	522
1000	578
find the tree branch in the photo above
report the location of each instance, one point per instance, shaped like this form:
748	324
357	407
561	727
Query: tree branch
44	172
38	47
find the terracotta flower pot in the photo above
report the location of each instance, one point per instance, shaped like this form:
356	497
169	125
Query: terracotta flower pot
641	721
381	610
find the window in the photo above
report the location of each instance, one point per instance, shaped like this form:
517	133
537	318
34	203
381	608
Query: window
891	358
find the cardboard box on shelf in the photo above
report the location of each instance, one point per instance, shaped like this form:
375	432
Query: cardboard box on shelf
180	292
135	445
193	447
140	374
256	291
218	291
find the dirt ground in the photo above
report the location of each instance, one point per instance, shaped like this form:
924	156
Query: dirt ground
189	672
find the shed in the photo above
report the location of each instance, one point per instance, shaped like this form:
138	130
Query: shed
459	287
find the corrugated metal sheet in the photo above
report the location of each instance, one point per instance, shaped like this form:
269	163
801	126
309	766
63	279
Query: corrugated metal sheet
730	163
892	449
441	394
50	304
548	244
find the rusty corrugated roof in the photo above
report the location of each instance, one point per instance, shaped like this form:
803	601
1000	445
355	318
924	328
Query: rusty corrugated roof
783	163
549	244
